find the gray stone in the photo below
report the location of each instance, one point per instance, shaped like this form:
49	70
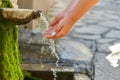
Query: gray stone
103	47
91	21
89	43
117	41
80	24
105	40
70	50
80	68
34	48
91	29
95	17
19	16
115	34
103	69
111	16
85	36
78	76
110	24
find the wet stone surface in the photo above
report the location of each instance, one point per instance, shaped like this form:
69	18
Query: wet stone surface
34	48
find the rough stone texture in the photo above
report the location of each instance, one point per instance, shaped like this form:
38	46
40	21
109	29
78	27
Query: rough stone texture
91	29
78	76
105	40
19	16
76	54
110	24
76	51
103	69
86	36
113	34
103	47
34	48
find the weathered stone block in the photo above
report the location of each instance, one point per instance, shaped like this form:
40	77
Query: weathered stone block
103	69
35	48
115	34
78	76
91	29
70	50
103	47
85	36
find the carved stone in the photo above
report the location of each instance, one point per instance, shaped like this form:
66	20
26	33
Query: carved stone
19	16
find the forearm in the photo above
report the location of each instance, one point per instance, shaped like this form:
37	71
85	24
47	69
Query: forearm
81	8
71	5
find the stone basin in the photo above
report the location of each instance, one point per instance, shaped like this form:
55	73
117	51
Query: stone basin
19	16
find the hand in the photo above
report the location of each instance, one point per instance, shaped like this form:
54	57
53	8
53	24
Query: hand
60	26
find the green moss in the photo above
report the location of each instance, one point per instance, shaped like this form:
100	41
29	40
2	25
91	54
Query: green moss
10	65
6	4
28	76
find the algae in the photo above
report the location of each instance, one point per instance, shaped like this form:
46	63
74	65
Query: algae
10	62
28	76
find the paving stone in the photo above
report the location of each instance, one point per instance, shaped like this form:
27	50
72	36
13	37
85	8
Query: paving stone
110	24
85	36
103	47
91	21
105	40
103	69
111	16
80	24
70	50
90	44
91	29
115	34
78	76
117	41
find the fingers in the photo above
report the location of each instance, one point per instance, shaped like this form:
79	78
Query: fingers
56	20
53	31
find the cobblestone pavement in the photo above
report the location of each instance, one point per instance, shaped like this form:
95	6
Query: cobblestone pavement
98	30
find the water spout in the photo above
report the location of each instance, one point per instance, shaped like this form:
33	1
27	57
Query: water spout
19	16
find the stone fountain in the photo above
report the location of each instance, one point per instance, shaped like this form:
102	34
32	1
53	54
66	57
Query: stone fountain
33	50
39	53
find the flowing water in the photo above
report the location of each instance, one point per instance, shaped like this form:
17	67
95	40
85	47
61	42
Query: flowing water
42	25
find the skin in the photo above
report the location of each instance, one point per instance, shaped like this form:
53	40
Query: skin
66	19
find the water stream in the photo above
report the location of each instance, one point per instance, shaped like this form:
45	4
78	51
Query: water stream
42	25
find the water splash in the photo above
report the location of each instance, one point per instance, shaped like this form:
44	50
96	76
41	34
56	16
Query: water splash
54	73
42	25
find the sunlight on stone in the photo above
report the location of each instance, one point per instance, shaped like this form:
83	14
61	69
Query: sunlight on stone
114	57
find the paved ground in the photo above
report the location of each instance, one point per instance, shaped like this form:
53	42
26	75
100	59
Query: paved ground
97	30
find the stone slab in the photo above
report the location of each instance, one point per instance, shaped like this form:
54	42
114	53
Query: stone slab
105	40
103	69
104	47
85	36
35	48
70	50
91	29
78	76
110	24
115	34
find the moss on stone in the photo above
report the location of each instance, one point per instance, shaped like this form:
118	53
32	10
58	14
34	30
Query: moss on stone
10	65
